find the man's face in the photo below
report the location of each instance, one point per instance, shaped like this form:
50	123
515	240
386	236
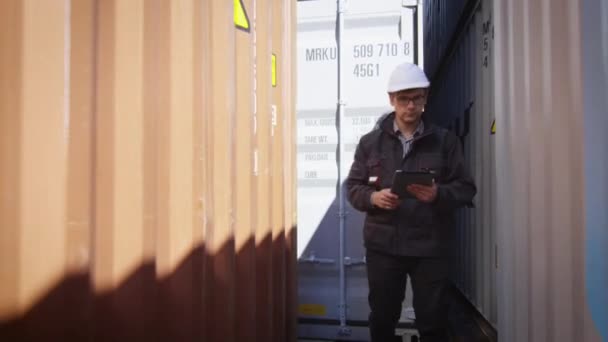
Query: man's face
408	104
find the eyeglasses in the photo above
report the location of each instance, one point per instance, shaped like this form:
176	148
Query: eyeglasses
417	100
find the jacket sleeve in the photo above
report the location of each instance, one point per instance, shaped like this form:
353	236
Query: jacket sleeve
457	188
358	189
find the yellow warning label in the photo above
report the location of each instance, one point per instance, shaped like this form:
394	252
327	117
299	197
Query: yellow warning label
241	20
312	310
493	129
274	70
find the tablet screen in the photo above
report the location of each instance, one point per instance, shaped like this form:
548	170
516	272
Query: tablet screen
402	179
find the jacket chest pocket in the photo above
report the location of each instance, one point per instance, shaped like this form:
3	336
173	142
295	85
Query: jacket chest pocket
376	170
432	162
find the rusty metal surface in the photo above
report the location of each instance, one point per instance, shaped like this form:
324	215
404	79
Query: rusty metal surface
150	191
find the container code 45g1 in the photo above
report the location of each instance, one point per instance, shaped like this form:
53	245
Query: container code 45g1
366	70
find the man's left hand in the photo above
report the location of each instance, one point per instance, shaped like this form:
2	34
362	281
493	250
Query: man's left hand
423	193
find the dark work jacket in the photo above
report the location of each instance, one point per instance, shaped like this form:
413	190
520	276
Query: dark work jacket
414	228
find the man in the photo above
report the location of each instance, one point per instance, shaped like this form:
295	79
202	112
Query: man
408	236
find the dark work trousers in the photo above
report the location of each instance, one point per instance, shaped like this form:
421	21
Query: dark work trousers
387	278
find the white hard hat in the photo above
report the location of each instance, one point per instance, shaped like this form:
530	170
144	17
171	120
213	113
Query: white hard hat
407	76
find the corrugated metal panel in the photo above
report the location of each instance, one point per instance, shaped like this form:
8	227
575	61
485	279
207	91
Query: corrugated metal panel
441	18
462	99
149	191
531	203
594	37
540	174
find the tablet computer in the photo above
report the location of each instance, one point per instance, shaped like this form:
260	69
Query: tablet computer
401	179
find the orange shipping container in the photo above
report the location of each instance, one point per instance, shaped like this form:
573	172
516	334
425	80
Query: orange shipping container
147	167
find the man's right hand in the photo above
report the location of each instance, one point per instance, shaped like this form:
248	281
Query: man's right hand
385	199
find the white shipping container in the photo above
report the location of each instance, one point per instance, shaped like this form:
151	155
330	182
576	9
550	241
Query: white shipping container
377	36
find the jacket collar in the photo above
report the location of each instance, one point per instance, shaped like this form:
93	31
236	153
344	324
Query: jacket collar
386	125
